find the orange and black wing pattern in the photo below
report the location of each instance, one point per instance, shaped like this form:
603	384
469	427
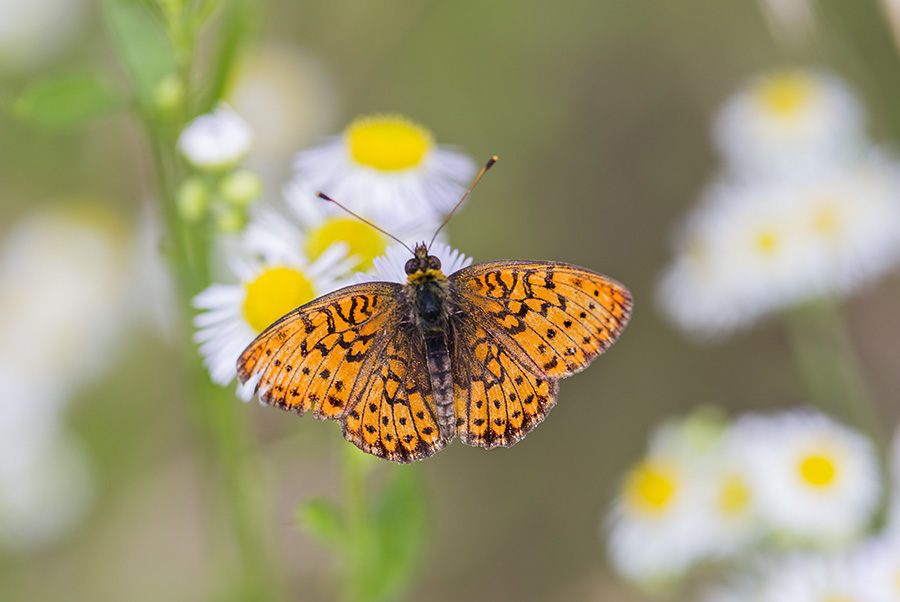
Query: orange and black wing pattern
395	417
318	356
517	327
354	356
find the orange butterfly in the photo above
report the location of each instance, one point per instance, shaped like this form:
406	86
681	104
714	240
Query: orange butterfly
405	368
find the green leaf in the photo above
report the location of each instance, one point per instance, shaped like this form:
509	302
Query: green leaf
143	47
67	102
323	520
401	524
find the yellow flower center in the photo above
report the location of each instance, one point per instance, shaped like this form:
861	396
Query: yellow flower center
817	470
827	219
366	243
787	93
274	293
734	496
766	242
387	142
650	487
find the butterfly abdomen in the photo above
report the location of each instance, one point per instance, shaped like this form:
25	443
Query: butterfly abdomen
428	294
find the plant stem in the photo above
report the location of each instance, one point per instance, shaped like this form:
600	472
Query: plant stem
831	370
358	541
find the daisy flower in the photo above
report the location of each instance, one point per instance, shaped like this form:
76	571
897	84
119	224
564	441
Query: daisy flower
740	255
386	168
815	480
851	221
216	140
657	526
750	249
787	120
233	314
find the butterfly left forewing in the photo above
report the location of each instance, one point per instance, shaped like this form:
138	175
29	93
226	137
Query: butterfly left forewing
314	356
553	318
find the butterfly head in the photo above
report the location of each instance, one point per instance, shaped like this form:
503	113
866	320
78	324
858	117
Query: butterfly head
422	264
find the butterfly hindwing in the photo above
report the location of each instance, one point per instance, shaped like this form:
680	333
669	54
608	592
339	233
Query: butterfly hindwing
394	416
553	318
497	400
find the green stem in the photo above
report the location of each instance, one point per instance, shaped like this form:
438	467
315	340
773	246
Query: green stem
216	409
358	540
830	368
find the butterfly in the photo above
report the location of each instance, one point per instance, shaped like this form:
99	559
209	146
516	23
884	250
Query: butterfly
405	368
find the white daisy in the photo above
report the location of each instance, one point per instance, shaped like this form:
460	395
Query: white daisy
740	255
392	265
233	314
815	480
750	249
386	168
851	220
216	140
811	579
789	120
658	526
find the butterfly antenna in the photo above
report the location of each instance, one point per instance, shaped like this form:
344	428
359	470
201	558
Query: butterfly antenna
324	196
486	167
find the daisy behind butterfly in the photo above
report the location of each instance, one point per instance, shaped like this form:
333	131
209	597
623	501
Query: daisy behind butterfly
406	368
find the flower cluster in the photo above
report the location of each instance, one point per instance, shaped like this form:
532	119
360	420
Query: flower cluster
214	144
385	169
791	495
805	207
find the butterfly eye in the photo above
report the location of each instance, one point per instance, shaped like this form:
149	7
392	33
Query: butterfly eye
434	263
412	266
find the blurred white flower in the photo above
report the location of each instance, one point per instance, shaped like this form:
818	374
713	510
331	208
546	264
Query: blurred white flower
815	479
658	526
65	278
391	266
286	96
810	578
787	121
34	31
750	249
216	140
45	488
234	314
386	168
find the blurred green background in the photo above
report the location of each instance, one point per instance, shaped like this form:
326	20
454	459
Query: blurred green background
600	113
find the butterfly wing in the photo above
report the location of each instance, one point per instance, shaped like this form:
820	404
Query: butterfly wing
396	416
516	327
497	400
554	318
355	356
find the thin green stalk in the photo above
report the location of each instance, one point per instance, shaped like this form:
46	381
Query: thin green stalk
358	535
830	368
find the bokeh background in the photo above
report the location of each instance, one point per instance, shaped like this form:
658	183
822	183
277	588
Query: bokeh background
600	113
